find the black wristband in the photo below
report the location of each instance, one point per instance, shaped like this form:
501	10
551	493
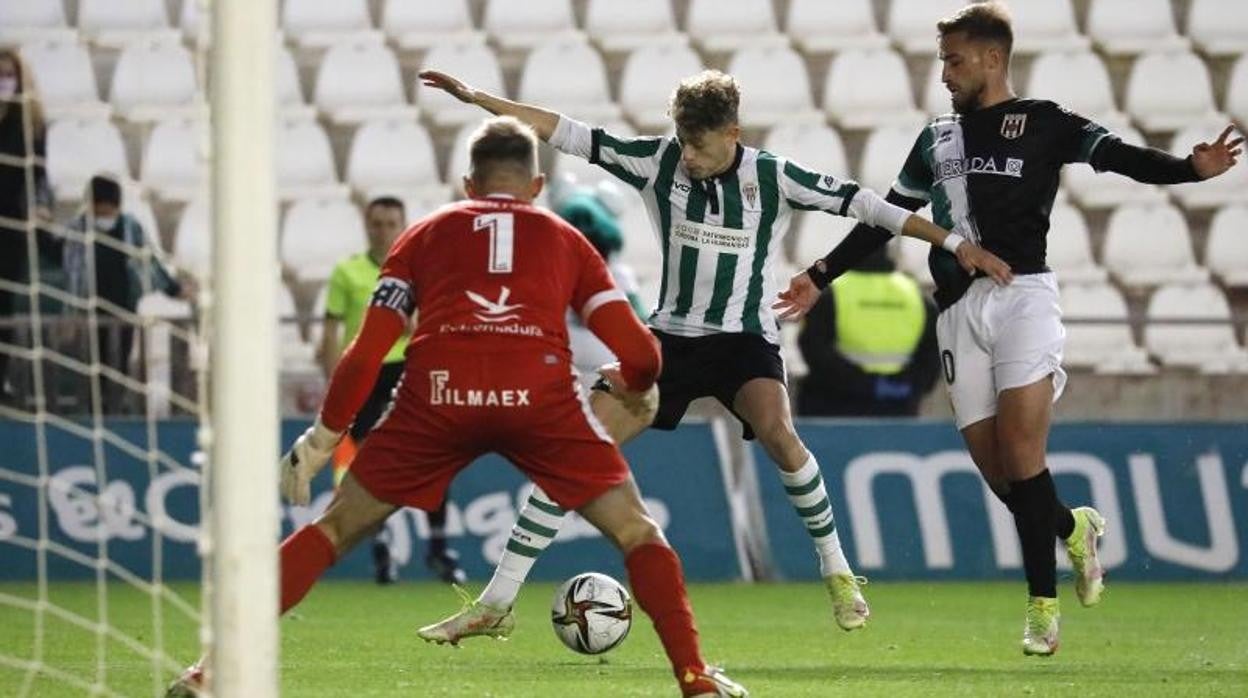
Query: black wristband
818	273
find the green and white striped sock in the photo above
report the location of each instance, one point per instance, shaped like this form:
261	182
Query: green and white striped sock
539	523
810	499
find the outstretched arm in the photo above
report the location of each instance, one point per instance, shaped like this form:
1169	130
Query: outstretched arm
1153	166
543	121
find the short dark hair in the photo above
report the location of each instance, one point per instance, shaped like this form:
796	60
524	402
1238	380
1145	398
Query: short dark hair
502	143
983	21
386	202
105	190
705	102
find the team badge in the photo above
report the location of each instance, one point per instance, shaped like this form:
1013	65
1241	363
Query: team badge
1012	125
750	190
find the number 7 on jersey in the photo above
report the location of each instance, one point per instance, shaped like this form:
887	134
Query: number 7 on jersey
502	228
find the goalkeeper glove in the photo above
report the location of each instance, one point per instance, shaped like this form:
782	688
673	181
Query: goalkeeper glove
310	452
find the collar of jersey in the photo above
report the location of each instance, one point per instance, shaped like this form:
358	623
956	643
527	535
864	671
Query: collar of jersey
736	164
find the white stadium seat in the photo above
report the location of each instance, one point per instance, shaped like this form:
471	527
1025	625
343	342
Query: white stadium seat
290	99
884	154
154	79
317	24
194	27
728	26
869	88
1226	250
1045	25
775	87
817	233
936	99
78	149
473	63
911	254
358	81
115	24
1098	331
815	146
1070	247
294	353
1219	27
1126	27
305	161
1210	346
33	19
1228	188
625	26
526	25
1167	91
1092	189
318	233
912	23
568	77
171	164
393	156
65	78
192	243
422	25
818	26
1237	91
1150	246
1091	95
135	201
650	74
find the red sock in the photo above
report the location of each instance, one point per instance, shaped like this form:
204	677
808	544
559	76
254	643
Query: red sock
305	556
659	585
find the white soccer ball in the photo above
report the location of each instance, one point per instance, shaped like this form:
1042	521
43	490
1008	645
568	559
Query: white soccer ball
591	613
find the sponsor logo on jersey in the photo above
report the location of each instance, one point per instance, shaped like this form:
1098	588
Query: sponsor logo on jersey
495	311
712	237
948	169
495	316
1012	125
441	393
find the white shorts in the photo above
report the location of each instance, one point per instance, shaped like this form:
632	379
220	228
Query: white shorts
1000	337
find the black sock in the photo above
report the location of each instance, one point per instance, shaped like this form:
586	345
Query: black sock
1007	499
1034	521
1063	519
437	530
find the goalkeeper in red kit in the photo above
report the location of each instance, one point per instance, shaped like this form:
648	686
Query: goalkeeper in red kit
488	369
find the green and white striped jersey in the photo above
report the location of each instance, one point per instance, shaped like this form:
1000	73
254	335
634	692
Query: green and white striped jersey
720	237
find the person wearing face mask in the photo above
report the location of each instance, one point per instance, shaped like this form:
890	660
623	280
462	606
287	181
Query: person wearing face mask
110	258
21	138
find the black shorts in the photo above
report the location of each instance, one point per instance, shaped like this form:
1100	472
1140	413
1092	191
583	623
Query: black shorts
378	400
715	366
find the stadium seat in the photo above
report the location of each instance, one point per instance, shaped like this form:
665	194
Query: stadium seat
154	80
116	24
568	77
626	26
1167	91
818	26
1228	188
160	306
393	156
317	24
24	21
912	23
471	62
526	25
135	201
65	79
1098	331
317	233
728	26
1070	247
1209	346
1092	189
1127	27
936	99
1237	91
883	155
1149	246
1219	27
290	100
817	233
649	76
1045	25
78	149
358	81
641	246
305	161
857	103
193	26
192	243
775	88
294	353
171	164
1226	250
423	25
1091	95
815	146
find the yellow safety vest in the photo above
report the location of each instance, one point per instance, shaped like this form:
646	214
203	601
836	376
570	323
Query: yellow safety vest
879	319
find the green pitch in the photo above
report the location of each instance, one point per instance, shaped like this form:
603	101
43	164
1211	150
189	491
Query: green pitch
952	639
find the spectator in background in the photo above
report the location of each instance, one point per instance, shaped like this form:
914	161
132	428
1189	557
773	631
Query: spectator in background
110	258
350	291
24	191
870	343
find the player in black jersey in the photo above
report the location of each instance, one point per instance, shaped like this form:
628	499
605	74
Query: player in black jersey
990	171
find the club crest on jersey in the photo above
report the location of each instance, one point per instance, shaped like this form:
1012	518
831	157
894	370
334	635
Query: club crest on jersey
1012	125
750	191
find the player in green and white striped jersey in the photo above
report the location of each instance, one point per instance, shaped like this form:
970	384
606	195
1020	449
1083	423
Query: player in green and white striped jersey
720	210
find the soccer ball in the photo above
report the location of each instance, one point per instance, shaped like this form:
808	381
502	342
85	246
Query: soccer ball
591	613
